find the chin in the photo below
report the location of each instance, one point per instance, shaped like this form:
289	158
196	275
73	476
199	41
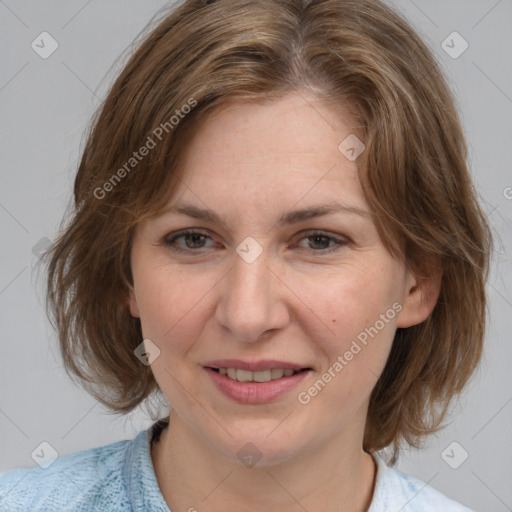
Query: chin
260	449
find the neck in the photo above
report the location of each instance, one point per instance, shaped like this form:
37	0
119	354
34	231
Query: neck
192	475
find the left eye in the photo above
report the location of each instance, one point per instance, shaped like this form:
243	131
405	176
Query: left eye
323	241
195	240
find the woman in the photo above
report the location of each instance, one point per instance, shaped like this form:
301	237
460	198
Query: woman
274	229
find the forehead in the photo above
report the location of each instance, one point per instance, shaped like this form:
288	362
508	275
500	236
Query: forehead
296	123
269	148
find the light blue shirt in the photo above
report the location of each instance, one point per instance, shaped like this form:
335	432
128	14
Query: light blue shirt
119	477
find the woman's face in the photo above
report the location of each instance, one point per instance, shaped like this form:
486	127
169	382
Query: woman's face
268	286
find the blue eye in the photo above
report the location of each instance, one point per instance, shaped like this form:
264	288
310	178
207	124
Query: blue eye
195	241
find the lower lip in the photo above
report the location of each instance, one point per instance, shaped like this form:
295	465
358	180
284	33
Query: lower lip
255	392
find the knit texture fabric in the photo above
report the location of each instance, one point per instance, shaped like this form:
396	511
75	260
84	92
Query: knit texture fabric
119	477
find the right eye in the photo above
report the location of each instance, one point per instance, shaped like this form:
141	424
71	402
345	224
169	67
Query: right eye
192	238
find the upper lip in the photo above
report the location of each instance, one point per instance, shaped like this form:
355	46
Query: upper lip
254	366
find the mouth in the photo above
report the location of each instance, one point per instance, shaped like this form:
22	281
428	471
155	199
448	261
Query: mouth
255	382
242	375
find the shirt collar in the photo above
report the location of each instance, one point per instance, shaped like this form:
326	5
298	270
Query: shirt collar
139	474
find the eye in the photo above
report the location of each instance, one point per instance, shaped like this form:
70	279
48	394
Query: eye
193	240
325	243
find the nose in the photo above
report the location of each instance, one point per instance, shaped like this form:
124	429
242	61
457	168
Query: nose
252	301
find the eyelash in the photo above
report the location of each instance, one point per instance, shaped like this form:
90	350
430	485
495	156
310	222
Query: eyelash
170	242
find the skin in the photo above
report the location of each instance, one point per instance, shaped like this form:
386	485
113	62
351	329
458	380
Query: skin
250	163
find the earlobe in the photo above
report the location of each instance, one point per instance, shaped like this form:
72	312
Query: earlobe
132	303
420	299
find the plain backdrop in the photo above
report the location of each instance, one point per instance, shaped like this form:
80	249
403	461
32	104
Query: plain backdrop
46	105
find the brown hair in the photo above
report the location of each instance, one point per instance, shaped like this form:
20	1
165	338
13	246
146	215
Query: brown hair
414	173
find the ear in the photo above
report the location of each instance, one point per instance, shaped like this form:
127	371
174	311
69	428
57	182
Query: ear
421	294
132	304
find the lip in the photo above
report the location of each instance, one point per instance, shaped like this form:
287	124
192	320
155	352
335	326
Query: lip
255	392
254	366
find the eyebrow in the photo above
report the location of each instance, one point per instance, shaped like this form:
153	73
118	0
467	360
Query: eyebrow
290	217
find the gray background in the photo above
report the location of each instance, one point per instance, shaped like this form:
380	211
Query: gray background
47	103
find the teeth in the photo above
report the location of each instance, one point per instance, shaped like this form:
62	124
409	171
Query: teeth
276	373
261	376
243	375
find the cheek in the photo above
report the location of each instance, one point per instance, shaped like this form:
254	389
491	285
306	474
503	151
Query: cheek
171	302
351	297
351	316
355	343
172	313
